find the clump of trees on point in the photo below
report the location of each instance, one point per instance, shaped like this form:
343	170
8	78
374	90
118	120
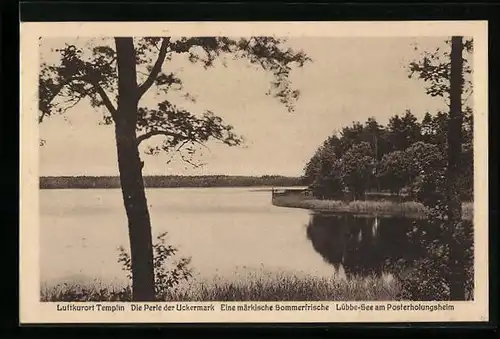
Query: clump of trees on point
394	158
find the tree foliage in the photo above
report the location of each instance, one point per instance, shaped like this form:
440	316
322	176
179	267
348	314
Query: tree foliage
324	172
403	131
90	72
434	69
409	156
393	171
357	168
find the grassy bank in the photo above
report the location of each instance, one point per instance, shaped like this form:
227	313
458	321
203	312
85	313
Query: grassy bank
408	209
250	287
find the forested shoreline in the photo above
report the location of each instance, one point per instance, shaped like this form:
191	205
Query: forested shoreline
170	181
405	156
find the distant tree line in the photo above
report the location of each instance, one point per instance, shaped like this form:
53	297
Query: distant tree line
406	156
169	181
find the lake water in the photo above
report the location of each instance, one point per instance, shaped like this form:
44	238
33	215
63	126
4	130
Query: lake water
223	230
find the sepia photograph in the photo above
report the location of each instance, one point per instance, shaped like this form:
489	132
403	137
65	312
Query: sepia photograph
241	166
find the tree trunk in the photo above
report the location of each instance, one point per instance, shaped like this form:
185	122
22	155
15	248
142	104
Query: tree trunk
454	138
130	167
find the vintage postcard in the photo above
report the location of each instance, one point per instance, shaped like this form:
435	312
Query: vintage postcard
253	172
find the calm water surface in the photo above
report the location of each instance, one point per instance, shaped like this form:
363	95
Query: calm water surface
223	230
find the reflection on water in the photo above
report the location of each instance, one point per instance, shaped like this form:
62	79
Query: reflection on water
365	246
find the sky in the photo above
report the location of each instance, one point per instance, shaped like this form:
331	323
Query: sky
350	79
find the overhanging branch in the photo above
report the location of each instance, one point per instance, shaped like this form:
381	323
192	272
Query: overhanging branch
150	134
156	68
105	99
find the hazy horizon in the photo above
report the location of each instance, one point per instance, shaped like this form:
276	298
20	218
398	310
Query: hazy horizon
350	79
